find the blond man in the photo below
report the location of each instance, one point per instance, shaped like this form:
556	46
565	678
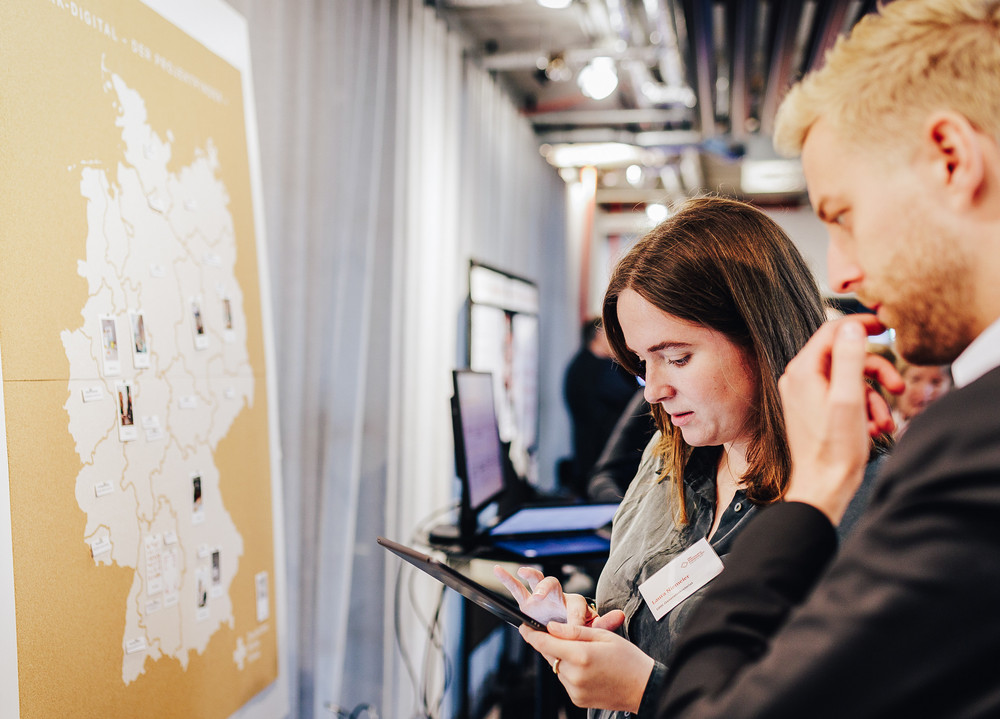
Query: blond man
899	141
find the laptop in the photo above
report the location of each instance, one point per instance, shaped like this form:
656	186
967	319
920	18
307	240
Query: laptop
529	531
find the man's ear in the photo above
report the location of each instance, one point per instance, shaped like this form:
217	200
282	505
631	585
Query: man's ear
954	151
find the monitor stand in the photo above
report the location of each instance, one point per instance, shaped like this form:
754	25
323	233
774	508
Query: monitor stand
444	534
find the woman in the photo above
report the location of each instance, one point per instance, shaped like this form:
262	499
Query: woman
708	309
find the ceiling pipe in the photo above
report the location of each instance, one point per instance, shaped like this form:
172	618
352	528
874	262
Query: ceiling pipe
701	35
830	23
648	116
662	138
618	17
528	60
739	104
671	62
629	72
596	19
867	6
781	64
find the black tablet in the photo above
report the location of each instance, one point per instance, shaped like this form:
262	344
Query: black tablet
504	608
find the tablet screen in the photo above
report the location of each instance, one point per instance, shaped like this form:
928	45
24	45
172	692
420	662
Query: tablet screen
468	588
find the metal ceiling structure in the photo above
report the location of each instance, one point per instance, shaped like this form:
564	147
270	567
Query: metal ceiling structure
699	82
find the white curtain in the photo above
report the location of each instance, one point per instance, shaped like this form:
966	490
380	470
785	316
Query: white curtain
389	161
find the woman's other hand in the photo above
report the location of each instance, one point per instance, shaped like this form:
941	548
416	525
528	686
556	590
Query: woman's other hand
598	668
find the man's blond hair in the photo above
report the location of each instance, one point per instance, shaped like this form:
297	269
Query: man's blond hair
896	67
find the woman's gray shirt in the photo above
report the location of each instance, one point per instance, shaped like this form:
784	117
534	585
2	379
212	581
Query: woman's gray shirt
647	534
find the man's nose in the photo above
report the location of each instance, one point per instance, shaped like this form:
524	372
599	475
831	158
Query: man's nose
843	270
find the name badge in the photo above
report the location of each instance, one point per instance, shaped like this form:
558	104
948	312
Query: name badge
683	576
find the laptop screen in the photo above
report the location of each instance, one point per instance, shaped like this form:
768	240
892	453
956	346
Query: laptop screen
478	452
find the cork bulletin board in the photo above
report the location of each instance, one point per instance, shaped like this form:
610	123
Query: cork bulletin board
141	565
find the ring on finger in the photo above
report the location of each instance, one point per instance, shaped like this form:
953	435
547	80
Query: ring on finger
555	666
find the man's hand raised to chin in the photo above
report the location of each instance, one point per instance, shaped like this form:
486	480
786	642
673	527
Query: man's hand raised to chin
831	412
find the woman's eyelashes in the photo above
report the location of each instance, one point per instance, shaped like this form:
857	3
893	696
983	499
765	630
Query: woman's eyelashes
679	361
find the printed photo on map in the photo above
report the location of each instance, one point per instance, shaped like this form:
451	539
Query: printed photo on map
196	486
216	590
202	588
140	345
198	325
126	422
227	320
109	344
261	591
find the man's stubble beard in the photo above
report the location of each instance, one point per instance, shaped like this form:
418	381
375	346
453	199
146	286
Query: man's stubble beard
930	296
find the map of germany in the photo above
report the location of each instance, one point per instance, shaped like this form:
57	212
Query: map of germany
142	462
163	242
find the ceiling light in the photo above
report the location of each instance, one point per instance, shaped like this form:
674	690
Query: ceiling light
598	154
598	78
660	94
556	68
555	4
634	175
656	212
772	176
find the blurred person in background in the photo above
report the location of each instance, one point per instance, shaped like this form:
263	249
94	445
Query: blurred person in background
924	384
597	391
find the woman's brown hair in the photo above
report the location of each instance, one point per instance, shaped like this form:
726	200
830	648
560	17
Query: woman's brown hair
727	266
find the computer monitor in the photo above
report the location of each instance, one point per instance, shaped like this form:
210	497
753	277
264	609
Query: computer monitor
478	452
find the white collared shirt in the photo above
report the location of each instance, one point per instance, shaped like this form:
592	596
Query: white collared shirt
979	357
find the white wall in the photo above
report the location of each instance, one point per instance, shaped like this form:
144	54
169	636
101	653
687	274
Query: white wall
809	235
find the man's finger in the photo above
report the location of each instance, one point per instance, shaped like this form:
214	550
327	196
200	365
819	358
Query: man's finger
815	354
847	366
879	414
882	371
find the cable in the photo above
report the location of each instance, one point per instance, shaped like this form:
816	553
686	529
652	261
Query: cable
422	690
354	713
407	662
419	684
436	638
435	642
367	708
422	526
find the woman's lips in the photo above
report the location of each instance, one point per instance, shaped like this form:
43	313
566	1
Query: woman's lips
681	418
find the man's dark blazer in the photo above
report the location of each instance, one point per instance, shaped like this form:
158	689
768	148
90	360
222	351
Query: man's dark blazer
905	620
